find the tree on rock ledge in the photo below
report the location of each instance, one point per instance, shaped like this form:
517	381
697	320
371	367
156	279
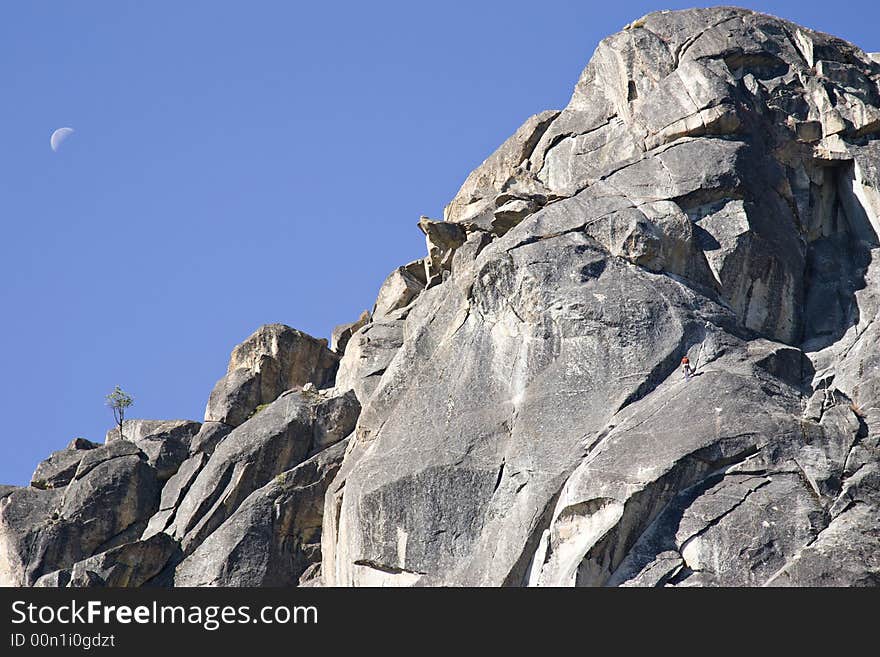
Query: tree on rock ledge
119	400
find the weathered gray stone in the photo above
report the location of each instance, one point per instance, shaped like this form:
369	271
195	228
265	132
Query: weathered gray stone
418	269
25	514
57	470
511	212
277	438
539	335
274	537
210	434
478	192
700	198
342	333
165	442
173	492
56	579
234	398
128	565
845	553
368	354
517	409
655	489
113	491
398	291
442	238
274	359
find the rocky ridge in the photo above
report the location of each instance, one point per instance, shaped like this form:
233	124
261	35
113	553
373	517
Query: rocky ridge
511	411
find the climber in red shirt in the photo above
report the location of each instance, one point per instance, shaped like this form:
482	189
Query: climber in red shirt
686	367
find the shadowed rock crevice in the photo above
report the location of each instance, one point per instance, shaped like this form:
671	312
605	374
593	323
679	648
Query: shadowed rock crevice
840	237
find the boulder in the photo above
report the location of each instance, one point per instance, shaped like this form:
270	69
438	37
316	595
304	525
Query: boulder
234	398
165	442
398	291
274	537
479	190
274	359
57	470
129	565
276	439
442	239
342	333
107	503
368	354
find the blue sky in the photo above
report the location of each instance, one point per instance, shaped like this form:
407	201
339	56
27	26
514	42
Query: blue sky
240	163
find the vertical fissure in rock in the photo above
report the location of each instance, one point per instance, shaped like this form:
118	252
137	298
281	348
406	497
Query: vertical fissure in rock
840	236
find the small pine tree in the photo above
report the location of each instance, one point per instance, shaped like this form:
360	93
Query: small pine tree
118	401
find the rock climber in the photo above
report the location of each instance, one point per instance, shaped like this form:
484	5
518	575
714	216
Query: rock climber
686	367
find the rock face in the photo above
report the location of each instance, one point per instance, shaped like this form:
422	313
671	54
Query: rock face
107	502
513	412
710	191
165	442
342	333
60	467
274	359
398	291
130	564
368	354
278	438
274	536
507	167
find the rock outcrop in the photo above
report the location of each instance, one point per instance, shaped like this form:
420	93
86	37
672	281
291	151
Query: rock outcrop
60	467
274	359
709	191
274	537
165	442
512	412
129	565
106	504
342	333
278	438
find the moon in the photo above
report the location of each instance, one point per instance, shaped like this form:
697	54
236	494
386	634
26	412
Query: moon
59	136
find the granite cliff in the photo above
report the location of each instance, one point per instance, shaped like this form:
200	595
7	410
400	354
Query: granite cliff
512	412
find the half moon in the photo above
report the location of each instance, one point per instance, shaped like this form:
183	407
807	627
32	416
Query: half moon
59	136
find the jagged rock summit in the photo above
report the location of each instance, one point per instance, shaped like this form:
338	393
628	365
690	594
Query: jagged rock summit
512	410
